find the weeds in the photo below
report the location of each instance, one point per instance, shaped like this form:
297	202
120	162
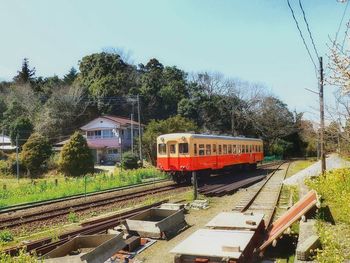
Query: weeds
334	188
27	190
72	217
5	236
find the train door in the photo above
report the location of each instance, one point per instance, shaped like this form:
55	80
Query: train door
184	157
173	155
216	158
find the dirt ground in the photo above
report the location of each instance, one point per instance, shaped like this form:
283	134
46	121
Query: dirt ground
159	252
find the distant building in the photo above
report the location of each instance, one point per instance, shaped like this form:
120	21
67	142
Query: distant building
6	144
106	135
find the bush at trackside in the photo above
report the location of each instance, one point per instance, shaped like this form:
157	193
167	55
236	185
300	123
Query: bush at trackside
129	161
76	158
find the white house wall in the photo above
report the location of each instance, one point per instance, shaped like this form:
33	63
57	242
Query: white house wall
100	124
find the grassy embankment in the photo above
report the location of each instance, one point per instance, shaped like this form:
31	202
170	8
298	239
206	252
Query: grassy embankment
25	190
334	188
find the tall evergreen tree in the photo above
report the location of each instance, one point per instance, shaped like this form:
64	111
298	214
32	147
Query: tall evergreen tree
26	74
69	78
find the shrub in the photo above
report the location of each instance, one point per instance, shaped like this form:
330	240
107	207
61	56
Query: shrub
129	161
36	151
76	158
12	164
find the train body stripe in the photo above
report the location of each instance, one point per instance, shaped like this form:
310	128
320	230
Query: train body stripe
213	162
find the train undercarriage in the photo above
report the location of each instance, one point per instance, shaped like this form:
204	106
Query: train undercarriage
181	177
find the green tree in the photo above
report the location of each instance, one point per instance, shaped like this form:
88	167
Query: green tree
69	78
162	88
21	127
273	120
156	128
104	75
35	154
76	158
26	74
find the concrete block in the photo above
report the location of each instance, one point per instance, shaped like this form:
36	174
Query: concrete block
304	249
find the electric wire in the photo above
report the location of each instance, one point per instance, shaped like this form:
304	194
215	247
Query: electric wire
308	29
302	37
341	22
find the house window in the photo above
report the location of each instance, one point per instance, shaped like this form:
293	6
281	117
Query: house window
201	149
172	148
183	148
107	134
208	149
162	148
112	151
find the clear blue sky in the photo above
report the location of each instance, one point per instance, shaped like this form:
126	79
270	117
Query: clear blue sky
254	40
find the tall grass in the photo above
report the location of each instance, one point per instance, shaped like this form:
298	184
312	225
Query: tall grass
26	190
334	188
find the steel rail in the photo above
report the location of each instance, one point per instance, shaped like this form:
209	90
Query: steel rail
44	245
55	212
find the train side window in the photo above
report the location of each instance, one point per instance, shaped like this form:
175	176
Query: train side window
183	148
225	148
214	148
234	149
208	149
229	148
172	148
250	148
243	148
201	149
195	148
162	148
220	149
246	149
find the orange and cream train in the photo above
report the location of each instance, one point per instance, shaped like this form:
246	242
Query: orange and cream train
182	153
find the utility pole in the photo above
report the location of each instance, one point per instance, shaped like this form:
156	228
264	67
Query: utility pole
17	164
140	135
132	128
323	155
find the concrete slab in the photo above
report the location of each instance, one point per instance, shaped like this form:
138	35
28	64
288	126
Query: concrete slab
156	222
89	249
236	221
215	243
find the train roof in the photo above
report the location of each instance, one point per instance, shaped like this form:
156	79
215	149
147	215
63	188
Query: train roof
207	136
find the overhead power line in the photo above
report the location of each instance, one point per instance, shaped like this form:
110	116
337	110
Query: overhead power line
341	21
308	29
302	37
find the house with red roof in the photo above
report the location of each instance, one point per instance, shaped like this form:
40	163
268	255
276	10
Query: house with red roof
107	135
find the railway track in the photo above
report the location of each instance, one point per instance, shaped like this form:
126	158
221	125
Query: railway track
263	197
228	184
45	245
39	216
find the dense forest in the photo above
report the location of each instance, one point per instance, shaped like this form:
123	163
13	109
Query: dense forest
106	83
